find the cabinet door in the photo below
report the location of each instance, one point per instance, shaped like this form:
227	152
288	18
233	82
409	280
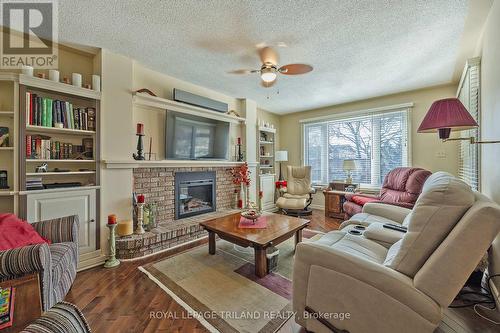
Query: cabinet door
267	187
52	205
334	203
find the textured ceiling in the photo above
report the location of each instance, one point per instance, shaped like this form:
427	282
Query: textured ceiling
359	49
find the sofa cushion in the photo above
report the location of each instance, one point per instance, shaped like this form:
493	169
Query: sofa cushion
365	219
64	259
443	202
15	233
354	245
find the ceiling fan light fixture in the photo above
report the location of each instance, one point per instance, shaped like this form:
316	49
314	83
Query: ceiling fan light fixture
268	74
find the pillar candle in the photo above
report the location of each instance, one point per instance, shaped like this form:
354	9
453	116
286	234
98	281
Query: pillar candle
239	141
96	82
76	79
140	198
140	129
112	219
125	228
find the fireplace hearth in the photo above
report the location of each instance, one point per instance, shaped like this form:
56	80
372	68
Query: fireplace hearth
194	193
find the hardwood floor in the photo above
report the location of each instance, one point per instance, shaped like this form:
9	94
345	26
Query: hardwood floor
123	299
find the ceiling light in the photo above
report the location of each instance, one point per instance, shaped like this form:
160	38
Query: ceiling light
268	74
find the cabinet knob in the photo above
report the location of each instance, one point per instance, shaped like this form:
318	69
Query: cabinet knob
92	220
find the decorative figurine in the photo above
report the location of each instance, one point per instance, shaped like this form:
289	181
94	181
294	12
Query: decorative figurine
239	156
140	145
42	168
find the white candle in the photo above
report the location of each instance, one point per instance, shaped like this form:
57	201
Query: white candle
76	79
54	75
96	82
27	70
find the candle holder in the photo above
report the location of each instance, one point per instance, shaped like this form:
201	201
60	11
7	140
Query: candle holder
112	261
140	216
140	148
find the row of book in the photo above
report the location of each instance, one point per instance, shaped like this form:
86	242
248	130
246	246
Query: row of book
48	112
34	183
42	147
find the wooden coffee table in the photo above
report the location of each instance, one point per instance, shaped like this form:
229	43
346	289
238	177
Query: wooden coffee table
279	228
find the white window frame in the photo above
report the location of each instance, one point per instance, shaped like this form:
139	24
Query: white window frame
408	107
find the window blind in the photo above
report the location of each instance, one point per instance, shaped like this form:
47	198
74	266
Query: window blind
378	142
468	166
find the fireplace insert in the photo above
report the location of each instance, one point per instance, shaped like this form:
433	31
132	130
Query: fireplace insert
194	193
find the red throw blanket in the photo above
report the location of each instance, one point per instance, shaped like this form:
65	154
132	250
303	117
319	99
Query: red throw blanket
15	233
361	200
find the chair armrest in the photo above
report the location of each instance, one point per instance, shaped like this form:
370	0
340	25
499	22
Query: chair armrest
348	267
391	212
398	204
63	229
349	196
24	260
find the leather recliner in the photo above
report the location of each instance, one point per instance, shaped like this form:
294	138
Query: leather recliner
297	195
401	187
403	287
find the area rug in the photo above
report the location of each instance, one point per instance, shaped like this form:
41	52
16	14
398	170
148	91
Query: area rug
222	291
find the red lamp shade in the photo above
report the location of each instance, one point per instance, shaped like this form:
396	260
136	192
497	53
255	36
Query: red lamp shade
446	115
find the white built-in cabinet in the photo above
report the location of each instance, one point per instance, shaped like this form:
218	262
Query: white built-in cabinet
51	205
267	187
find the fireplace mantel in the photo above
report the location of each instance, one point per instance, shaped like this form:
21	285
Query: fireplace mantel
132	164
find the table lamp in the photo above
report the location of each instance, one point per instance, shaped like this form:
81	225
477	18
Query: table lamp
281	156
348	166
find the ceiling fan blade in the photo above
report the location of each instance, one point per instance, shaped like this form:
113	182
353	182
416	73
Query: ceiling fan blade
267	84
242	71
295	69
268	55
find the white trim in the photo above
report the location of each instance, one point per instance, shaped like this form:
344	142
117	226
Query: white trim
353	113
145	100
179	301
468	64
132	164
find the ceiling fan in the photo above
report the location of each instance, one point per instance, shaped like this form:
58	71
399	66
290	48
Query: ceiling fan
269	70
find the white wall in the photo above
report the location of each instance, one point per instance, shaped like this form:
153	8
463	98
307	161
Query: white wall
489	50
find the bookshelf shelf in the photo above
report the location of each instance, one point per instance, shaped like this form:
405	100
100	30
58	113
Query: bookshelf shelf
264	156
60	189
64	88
58	161
7	113
90	172
266	167
267	129
69	131
266	142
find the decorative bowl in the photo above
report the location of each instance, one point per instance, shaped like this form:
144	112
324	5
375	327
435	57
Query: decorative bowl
251	214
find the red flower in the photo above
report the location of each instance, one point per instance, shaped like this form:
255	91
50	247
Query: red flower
241	175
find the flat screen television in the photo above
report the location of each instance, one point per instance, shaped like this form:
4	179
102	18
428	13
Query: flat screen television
190	137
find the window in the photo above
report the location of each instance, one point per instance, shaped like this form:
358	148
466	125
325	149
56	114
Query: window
378	142
469	155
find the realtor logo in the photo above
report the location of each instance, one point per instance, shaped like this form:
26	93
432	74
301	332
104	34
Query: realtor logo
29	36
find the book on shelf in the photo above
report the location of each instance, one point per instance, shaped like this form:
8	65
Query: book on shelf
34	183
48	112
44	148
7	296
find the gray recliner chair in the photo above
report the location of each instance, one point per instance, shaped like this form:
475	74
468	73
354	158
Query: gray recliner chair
403	287
297	195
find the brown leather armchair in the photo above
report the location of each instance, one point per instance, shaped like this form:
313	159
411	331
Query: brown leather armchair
401	187
296	197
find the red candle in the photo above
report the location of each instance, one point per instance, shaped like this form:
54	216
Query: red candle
112	219
239	141
140	198
240	203
140	129
261	194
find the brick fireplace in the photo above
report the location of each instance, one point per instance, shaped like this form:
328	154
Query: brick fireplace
158	185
